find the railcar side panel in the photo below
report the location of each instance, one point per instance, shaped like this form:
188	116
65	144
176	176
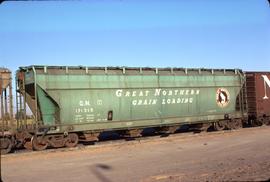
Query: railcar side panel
89	99
258	95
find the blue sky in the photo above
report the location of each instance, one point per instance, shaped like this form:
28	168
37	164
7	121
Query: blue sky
168	33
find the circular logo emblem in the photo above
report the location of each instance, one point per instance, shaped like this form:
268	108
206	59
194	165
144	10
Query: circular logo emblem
222	97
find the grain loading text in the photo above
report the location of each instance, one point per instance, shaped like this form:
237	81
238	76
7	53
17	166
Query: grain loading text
151	97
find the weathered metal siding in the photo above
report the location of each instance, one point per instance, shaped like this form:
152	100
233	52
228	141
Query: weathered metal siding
137	97
5	78
6	102
258	93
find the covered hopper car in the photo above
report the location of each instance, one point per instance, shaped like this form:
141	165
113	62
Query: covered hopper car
72	104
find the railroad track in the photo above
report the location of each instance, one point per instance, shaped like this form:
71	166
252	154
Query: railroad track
114	142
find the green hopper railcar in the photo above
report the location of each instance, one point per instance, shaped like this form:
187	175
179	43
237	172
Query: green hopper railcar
77	103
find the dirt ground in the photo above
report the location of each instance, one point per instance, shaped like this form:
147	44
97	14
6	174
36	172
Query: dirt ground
242	155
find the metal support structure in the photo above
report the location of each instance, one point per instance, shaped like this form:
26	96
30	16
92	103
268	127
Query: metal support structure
2	114
11	101
6	104
35	90
24	104
21	103
6	98
20	110
240	103
17	105
243	94
2	106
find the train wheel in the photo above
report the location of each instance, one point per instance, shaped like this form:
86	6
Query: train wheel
219	125
39	143
6	145
256	123
72	140
268	121
237	123
28	145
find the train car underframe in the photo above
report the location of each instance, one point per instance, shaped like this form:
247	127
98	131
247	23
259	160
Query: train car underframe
38	142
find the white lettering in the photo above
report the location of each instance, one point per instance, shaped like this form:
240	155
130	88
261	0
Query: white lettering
182	92
99	102
164	92
84	103
145	102
266	82
134	94
127	94
163	101
118	93
157	92
134	102
80	103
